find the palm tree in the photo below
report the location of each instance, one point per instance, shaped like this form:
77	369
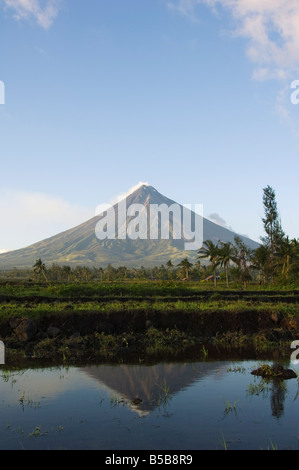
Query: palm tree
260	259
198	268
225	256
40	268
242	255
285	254
185	263
210	251
170	269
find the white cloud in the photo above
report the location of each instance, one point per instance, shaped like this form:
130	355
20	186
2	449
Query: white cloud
28	217
217	219
127	193
104	206
42	11
185	7
116	199
271	27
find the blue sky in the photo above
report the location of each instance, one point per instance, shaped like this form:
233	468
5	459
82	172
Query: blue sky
191	96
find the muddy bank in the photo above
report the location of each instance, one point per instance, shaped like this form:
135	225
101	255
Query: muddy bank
74	336
203	324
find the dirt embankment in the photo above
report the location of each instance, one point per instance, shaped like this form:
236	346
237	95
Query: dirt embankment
198	324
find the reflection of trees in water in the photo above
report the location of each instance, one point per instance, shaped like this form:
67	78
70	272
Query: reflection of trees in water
278	395
273	381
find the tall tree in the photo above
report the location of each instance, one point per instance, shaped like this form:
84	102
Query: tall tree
272	224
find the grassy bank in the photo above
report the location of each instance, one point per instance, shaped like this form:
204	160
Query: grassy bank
119	321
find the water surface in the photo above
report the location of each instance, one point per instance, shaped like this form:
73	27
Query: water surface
167	406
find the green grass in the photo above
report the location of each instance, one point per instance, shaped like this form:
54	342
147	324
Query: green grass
134	288
36	307
167	304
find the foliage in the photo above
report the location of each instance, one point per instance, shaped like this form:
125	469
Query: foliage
211	251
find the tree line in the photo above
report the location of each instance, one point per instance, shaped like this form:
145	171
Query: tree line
276	260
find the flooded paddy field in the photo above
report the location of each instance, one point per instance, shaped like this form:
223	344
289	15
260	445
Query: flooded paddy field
200	405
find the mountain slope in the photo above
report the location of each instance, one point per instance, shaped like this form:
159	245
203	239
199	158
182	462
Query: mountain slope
80	245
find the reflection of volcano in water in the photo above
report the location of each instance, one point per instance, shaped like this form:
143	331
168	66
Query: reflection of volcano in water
143	387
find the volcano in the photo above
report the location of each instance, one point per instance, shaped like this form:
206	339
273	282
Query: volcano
81	246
